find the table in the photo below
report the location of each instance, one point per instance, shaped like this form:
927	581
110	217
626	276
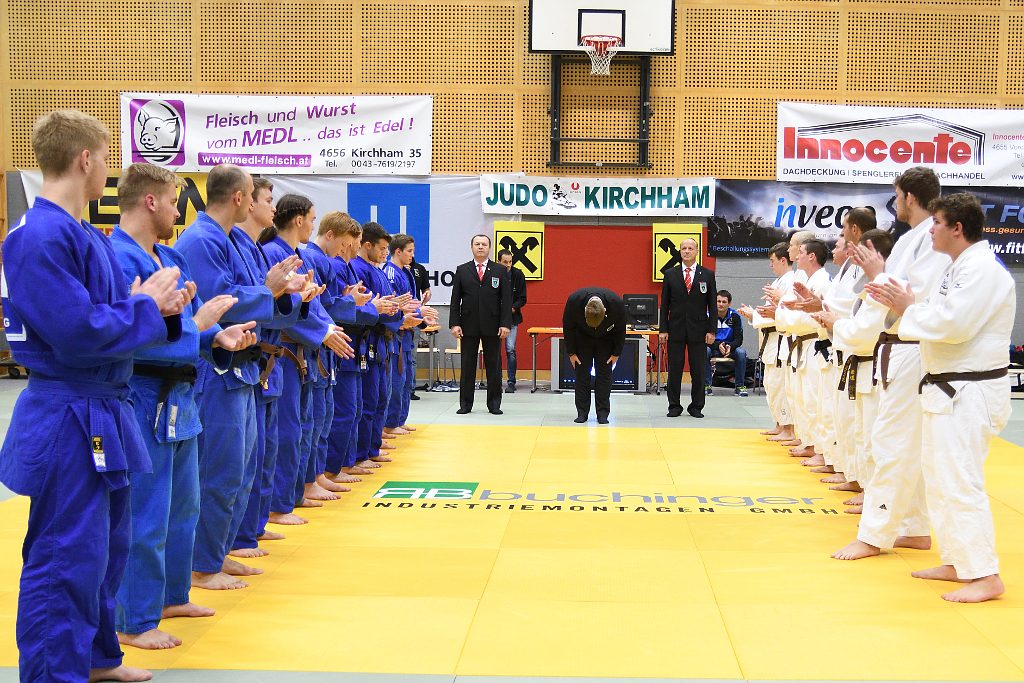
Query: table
534	332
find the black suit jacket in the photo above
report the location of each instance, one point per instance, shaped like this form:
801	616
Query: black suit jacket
478	306
689	316
574	319
518	280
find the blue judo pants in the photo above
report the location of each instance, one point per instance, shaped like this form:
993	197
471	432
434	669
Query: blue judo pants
401	387
323	413
226	469
165	508
375	401
74	555
294	418
257	510
348	409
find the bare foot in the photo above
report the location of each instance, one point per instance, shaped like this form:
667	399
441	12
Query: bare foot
119	673
153	639
286	518
271	536
189	609
827	469
407	428
792	443
814	461
856	500
945	572
837	478
854	510
387	447
357	470
773	431
381	458
343	478
325	483
847	486
216	582
315	492
787	434
249	552
802	452
239	569
856	551
367	465
978	590
388	435
915	542
307	503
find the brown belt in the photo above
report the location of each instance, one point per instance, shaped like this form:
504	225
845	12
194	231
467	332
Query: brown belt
942	379
273	353
885	343
764	340
320	364
298	358
848	379
799	342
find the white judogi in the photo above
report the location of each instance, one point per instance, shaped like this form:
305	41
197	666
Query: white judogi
840	299
964	326
894	502
774	347
804	381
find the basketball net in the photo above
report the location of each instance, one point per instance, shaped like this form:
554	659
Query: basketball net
601	49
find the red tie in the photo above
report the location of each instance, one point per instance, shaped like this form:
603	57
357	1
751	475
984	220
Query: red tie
689	280
480	271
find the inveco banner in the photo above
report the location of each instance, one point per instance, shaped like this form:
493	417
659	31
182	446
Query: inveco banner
548	196
846	144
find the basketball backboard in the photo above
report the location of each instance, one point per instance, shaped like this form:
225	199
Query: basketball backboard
646	27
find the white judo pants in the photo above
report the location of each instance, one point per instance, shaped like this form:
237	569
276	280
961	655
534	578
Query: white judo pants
845	420
775	389
955	447
794	399
828	378
894	499
809	378
862	465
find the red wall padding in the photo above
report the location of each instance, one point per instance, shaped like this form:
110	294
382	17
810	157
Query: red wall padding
616	257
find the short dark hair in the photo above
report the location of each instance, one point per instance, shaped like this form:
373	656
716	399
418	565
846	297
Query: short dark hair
780	251
726	294
399	242
487	237
501	254
374	233
260	184
862	218
881	240
223	182
818	248
963	208
920	181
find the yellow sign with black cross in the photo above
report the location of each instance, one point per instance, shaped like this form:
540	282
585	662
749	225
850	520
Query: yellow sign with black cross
526	243
667	237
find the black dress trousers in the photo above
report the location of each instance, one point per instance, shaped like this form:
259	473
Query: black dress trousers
492	366
594	353
698	352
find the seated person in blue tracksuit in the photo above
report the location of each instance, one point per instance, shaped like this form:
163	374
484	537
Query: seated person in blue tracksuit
728	344
165	504
73	442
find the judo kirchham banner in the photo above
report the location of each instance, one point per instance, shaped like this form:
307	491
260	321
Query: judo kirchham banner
278	134
753	215
609	197
848	144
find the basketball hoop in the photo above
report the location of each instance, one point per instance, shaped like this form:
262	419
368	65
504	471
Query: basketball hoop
601	49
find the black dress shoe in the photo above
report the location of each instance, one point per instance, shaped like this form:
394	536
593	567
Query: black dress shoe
413	397
580	419
694	412
602	420
674	412
463	411
497	411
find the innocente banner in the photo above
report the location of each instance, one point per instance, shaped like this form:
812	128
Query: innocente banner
370	135
850	144
550	196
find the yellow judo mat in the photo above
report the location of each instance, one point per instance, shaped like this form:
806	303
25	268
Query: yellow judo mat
586	551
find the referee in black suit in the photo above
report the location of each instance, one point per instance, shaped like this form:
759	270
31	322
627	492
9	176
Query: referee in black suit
594	327
689	320
481	313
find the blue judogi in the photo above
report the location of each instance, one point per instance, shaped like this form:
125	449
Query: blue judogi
374	384
227	263
73	440
164	504
295	407
403	377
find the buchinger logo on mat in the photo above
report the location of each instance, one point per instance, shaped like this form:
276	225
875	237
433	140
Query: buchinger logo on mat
158	132
431	490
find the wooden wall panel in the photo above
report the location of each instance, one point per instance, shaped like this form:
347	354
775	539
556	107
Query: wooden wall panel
714	101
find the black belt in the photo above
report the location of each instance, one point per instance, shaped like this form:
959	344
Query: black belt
778	353
822	346
171	376
849	374
798	343
764	340
251	354
356	333
942	379
885	343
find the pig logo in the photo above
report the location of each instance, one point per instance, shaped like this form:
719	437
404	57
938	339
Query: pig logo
158	131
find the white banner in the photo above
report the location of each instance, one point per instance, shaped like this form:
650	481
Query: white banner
278	134
846	144
548	196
